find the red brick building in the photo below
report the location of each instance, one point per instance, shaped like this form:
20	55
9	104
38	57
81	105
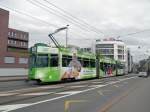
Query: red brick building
13	44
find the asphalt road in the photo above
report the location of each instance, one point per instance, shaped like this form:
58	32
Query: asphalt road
100	95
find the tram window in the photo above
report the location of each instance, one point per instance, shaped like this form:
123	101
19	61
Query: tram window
42	60
54	60
92	63
80	60
32	60
66	60
69	58
86	62
121	66
102	66
113	66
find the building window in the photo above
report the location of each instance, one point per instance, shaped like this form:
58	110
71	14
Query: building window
12	34
24	36
9	60
15	42
23	43
15	34
104	46
21	36
9	33
9	41
12	42
23	60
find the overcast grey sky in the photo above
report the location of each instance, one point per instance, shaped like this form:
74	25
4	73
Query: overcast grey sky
112	17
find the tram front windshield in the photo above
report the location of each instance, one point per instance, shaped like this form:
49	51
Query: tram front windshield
40	60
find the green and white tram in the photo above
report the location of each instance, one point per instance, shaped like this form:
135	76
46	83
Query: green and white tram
49	64
107	67
120	68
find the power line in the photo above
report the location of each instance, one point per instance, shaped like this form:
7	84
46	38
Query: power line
135	33
35	18
52	4
28	15
46	8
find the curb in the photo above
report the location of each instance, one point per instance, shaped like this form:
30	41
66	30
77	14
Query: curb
11	78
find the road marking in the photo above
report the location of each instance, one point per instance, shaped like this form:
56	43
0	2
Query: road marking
69	92
36	94
101	92
111	82
7	108
97	86
97	82
31	88
116	86
115	100
64	96
7	94
68	103
77	86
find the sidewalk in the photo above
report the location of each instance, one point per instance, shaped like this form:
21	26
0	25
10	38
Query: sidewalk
12	78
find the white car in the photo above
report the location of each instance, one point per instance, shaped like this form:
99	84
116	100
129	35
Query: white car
142	74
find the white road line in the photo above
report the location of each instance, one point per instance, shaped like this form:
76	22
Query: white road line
77	86
8	108
116	86
111	82
36	94
97	86
20	90
7	94
97	82
101	93
69	92
64	96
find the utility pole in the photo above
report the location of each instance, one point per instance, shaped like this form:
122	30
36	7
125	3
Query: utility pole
148	70
67	35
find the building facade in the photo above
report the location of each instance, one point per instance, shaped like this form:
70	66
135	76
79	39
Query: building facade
130	61
13	44
112	48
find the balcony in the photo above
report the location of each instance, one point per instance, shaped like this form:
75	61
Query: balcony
18	38
17	46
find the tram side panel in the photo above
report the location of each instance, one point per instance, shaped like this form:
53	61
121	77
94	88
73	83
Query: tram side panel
107	69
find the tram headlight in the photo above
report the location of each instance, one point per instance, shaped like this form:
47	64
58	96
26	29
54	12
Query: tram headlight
39	76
